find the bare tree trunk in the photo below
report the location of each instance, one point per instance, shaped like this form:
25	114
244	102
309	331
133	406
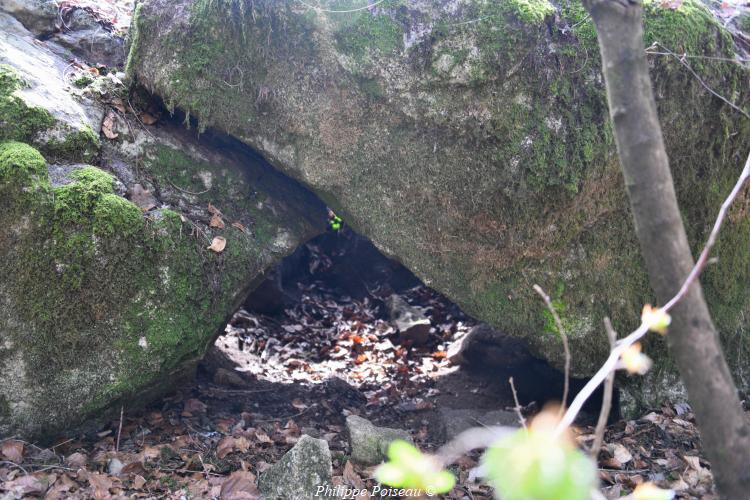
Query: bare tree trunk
692	337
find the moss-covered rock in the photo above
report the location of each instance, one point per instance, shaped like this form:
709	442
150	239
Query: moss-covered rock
103	303
471	140
35	103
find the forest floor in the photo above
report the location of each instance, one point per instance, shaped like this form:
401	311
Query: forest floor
270	380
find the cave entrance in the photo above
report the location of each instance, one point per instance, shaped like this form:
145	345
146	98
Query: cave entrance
340	318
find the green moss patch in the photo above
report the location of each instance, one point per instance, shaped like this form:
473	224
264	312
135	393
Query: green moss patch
20	122
21	165
369	32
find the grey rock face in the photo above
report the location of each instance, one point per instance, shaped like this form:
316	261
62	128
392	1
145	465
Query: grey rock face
90	40
456	421
38	16
300	473
485	347
45	112
369	444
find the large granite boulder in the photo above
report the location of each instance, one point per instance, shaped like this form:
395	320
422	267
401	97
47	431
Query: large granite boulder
471	140
108	289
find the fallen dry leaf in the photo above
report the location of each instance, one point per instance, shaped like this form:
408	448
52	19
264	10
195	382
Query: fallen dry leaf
142	198
60	489
118	104
133	468
148	118
13	451
100	484
240	485
108	126
263	437
225	447
620	453
216	221
195	406
213	210
218	244
138	482
239	226
351	477
77	460
25	485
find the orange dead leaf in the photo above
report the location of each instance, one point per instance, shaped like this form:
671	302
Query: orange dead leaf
218	244
240	485
239	226
225	447
216	222
148	118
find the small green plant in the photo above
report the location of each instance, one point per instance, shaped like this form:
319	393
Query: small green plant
410	468
334	221
536	463
83	81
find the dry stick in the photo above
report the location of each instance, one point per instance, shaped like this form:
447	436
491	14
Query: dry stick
119	429
614	356
566	348
13	464
186	191
607	399
518	405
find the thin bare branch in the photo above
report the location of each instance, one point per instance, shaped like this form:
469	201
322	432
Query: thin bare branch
119	429
566	348
682	61
607	399
518	405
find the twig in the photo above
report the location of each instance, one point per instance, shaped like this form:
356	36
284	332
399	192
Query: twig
119	429
349	11
607	399
614	356
284	418
518	405
60	444
13	464
186	191
736	60
700	80
566	348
